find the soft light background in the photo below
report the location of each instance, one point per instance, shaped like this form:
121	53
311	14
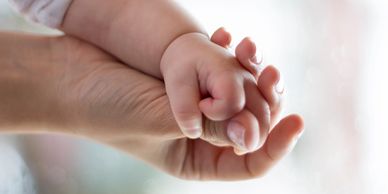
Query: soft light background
333	58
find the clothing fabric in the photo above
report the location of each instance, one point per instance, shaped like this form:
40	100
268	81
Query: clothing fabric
47	12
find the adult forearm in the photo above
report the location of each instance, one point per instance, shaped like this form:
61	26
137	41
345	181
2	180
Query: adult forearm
136	31
27	102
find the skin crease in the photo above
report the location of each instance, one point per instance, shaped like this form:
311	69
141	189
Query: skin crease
102	99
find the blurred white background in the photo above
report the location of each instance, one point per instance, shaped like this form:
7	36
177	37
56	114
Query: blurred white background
333	56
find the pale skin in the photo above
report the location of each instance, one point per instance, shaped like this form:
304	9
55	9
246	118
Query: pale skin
64	85
202	78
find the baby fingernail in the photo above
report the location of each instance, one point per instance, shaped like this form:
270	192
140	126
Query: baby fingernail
191	128
239	152
280	86
236	133
254	60
258	58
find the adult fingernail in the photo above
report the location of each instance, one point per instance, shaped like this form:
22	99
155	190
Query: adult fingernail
236	133
280	86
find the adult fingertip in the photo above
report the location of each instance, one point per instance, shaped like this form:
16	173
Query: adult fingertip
296	124
294	141
297	121
288	132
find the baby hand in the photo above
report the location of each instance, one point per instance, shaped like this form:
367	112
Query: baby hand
195	69
268	78
201	77
269	82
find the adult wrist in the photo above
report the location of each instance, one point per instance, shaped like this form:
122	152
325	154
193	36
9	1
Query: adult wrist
27	92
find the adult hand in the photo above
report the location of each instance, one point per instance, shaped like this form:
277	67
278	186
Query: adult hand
95	96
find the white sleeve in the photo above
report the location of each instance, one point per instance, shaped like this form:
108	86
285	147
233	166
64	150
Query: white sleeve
46	12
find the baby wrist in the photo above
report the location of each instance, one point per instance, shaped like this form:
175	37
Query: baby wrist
176	46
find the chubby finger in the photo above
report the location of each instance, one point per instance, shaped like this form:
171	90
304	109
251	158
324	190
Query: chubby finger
257	104
184	95
268	84
246	55
221	37
227	97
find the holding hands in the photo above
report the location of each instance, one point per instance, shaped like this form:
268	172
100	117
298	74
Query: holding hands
203	77
181	102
